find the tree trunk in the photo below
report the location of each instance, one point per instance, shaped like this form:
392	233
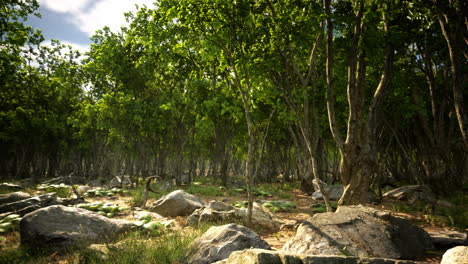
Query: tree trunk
358	152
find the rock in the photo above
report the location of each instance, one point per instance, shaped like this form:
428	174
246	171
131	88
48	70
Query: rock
448	239
68	180
13	197
410	193
59	228
456	255
154	217
316	187
119	181
334	193
220	241
262	256
177	203
96	183
261	217
194	218
82	189
10	187
28	182
359	231
219	206
25	206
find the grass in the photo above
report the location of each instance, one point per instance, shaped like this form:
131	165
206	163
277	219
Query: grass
206	190
455	216
168	248
134	247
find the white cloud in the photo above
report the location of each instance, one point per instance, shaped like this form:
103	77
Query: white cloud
89	17
107	13
81	48
65	6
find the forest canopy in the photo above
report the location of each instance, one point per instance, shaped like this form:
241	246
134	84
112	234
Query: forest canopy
365	93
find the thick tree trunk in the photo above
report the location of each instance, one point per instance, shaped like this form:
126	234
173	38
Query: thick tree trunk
358	152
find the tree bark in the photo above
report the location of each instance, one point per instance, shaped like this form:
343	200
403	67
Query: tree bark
452	21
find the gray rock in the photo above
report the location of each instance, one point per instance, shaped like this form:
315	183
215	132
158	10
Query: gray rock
410	193
82	189
25	206
456	255
448	239
219	206
68	180
334	193
220	241
10	187
61	228
13	197
177	203
261	217
119	181
359	231
262	256
96	183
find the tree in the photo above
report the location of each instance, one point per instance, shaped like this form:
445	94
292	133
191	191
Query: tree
358	150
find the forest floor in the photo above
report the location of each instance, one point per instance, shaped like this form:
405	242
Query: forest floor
305	208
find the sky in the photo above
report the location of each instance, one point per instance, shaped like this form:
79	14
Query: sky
73	22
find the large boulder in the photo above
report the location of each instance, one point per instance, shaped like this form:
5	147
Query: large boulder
456	255
177	203
411	193
261	217
220	241
13	197
359	231
60	228
25	206
221	212
262	256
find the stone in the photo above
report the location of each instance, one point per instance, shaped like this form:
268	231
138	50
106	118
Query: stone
13	197
220	241
410	193
456	255
25	206
219	206
177	203
82	189
10	187
448	239
334	193
119	181
60	228
359	231
68	180
261	216
262	256
96	183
